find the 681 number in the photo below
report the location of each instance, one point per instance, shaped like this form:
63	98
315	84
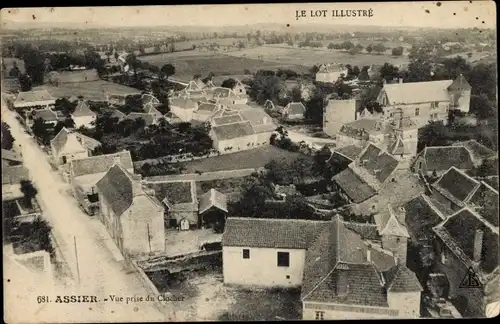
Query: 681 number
42	299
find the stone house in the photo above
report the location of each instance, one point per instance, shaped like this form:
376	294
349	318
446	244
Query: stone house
331	73
212	209
184	107
83	116
426	101
340	275
35	99
179	200
133	218
294	111
11	181
337	113
68	145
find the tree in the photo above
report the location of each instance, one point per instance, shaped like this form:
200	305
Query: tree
133	63
363	74
229	83
25	82
389	72
167	70
266	87
29	192
116	56
369	48
65	106
355	71
296	94
40	130
34	64
482	107
314	69
14	72
314	107
397	51
379	48
359	47
7	138
432	134
320	162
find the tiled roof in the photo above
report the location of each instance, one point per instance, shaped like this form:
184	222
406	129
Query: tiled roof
417	92
175	192
25	98
327	68
150	109
485	202
382	259
14	174
207	107
477	149
117	188
228	119
256	117
349	151
149	119
184	103
59	141
354	187
212	198
223	93
421	216
100	163
458	233
388	223
266	128
45	114
270	233
295	108
491	180
398	147
118	114
339	249
440	158
230	131
400	279
365	230
149	99
456	185
378	163
82	109
460	84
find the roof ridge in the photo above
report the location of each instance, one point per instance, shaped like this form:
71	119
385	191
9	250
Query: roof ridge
488	186
434	208
320	282
475	214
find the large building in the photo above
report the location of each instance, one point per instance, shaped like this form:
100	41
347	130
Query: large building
426	101
133	218
340	274
337	113
331	72
234	131
68	145
38	99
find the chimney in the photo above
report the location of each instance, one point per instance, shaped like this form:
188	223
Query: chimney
341	283
369	253
478	245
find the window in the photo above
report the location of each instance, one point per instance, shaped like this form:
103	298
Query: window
417	111
283	259
434	105
246	254
319	315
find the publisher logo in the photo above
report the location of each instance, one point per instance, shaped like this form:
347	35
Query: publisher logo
471	280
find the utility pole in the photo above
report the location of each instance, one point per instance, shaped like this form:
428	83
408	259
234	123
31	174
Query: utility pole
76	256
149	238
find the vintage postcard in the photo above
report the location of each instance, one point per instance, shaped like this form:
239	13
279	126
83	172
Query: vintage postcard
258	162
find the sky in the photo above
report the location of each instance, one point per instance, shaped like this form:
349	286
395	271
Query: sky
444	14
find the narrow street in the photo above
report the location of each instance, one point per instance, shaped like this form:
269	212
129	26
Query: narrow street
101	272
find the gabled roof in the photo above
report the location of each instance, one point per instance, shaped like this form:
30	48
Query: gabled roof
118	114
353	186
195	86
212	198
337	249
388	224
173	192
377	162
400	279
148	98
151	109
484	201
149	119
327	68
440	158
45	114
460	84
207	107
365	230
456	185
421	216
100	163
295	108
234	130
184	103
478	150
397	147
270	233
350	151
14	174
458	233
82	109
228	119
27	98
417	92
60	140
118	189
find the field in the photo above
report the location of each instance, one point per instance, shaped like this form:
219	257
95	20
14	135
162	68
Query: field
9	63
94	90
287	55
190	63
255	158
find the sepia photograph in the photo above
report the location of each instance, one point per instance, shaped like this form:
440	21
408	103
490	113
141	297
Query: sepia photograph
250	162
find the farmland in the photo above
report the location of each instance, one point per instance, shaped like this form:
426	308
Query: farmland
287	55
255	158
94	90
190	63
